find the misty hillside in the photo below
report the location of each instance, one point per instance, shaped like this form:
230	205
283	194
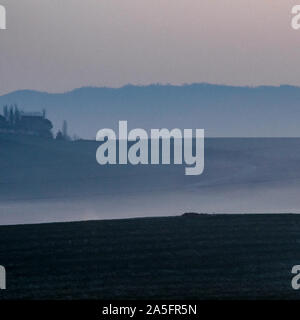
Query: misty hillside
220	110
44	180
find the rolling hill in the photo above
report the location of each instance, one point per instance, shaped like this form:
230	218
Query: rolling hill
207	257
221	110
45	180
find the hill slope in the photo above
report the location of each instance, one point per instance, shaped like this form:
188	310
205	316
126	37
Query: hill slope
221	110
208	257
45	181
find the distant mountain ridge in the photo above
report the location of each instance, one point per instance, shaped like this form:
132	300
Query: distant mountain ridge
264	111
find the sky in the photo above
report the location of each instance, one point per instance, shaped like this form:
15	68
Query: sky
56	46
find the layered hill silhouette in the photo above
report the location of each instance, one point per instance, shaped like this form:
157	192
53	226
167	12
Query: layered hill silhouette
222	111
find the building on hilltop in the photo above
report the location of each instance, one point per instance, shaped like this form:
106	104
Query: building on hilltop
34	123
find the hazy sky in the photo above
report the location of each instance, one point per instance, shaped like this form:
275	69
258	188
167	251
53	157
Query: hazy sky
57	45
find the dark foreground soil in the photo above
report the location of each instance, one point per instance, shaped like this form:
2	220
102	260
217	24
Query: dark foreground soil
199	257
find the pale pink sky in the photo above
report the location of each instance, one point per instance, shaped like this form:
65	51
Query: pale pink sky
57	45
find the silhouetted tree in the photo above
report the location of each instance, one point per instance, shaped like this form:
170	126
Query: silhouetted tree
65	130
11	116
17	116
59	136
5	112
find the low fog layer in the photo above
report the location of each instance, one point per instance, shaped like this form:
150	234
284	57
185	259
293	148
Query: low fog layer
45	181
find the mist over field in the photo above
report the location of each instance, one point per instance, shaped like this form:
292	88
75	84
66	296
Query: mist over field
46	180
229	68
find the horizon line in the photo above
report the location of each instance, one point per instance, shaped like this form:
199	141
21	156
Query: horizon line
151	85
